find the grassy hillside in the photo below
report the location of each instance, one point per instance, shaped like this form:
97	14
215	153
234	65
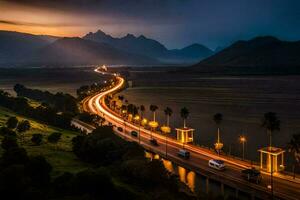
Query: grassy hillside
60	155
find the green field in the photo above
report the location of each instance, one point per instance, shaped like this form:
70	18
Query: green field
60	155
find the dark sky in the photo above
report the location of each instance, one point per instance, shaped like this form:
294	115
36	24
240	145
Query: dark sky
175	23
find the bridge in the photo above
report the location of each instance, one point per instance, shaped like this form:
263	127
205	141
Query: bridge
284	186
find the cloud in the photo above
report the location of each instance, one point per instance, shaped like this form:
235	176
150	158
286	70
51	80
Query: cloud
21	23
161	11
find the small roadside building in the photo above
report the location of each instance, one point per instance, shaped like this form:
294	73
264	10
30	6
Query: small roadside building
185	135
271	159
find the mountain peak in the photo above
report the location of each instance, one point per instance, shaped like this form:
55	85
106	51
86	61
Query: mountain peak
129	36
100	32
142	37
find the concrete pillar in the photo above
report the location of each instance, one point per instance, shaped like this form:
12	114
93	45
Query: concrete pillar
207	185
236	193
222	189
252	195
261	160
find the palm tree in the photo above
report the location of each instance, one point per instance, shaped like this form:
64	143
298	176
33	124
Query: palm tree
124	109
142	109
294	149
168	113
218	117
271	123
184	115
153	108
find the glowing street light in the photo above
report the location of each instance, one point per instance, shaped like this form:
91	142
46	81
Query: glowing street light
218	144
153	124
166	130
136	118
144	121
243	140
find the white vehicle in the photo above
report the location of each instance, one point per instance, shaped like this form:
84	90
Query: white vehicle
216	164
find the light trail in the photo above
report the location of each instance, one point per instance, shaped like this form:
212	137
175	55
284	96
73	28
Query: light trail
96	105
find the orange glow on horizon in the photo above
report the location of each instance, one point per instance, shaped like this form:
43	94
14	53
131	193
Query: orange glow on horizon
59	32
45	21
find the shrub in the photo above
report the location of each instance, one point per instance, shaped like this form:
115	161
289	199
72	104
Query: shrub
12	122
37	139
54	137
23	126
4	131
9	142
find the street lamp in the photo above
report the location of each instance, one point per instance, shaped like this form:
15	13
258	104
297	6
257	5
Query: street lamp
243	140
144	121
218	144
166	130
137	119
153	125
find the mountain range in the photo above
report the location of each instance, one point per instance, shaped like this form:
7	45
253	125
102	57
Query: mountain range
94	48
152	48
261	54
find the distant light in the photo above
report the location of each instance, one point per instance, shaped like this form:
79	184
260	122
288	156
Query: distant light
165	129
153	124
242	139
144	121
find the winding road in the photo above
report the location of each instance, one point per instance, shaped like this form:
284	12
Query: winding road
284	187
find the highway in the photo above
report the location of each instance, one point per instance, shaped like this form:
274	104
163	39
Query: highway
283	188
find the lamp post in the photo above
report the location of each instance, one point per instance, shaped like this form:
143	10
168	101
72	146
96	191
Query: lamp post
153	125
137	119
218	144
166	130
243	140
124	113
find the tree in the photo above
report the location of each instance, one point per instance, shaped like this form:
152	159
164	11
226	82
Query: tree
22	127
54	138
95	183
37	139
142	109
9	142
294	149
271	123
4	131
132	109
121	97
12	122
153	109
38	170
184	112
168	112
14	156
99	120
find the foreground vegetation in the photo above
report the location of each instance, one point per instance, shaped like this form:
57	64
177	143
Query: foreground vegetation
77	166
40	161
59	155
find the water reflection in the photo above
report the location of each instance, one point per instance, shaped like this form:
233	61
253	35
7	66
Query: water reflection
191	180
168	165
185	176
182	174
